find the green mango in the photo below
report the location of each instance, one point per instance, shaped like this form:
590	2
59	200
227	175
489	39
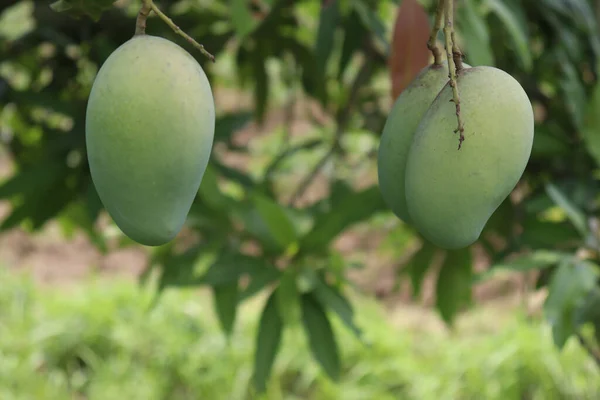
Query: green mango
150	126
397	135
452	193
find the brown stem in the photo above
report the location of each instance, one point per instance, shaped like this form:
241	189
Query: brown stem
140	23
437	26
452	68
456	54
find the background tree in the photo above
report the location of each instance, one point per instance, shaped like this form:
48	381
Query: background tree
254	230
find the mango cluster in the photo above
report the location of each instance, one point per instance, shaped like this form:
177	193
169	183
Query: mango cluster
445	192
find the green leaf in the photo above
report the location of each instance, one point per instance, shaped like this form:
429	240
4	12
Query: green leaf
320	336
477	37
226	301
543	234
274	165
77	8
228	124
345	211
261	85
536	260
268	341
230	266
269	222
33	180
453	289
516	28
328	22
179	270
418	265
242	19
575	215
288	298
589	311
574	93
568	289
277	220
354	32
591	125
260	280
331	298
373	22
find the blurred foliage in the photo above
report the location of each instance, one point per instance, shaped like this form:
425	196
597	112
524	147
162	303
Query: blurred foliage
252	231
101	341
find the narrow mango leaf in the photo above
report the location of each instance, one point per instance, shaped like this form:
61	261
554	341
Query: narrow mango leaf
276	219
408	52
268	341
328	22
589	311
575	215
516	28
569	286
77	8
260	280
346	211
288	298
354	32
591	125
453	290
210	192
229	267
331	298
33	180
536	260
225	299
241	18
320	336
574	93
475	32
543	234
418	265
228	124
372	22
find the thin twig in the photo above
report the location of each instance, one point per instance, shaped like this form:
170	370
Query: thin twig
140	27
449	34
180	32
437	26
342	120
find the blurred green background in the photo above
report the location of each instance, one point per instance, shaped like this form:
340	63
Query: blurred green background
292	279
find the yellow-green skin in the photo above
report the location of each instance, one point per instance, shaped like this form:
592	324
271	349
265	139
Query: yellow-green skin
452	193
149	132
398	132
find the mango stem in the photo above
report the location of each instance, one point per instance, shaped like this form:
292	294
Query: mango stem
140	23
437	26
452	66
147	6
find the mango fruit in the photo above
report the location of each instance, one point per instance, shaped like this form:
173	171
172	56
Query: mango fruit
451	193
149	126
398	132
